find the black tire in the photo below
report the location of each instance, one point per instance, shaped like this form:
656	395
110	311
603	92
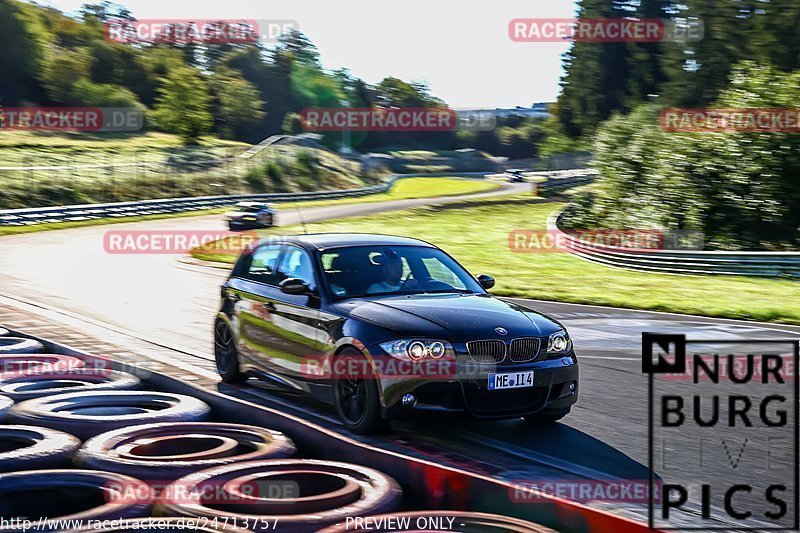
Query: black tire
466	521
547	417
86	414
69	495
5	405
34	448
315	493
40	384
225	355
17	364
12	345
356	397
162	525
149	451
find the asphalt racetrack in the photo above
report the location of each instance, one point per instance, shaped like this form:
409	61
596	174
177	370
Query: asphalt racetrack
159	299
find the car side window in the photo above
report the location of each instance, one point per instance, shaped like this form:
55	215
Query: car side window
262	266
296	263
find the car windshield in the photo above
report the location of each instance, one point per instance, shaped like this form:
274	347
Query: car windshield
250	208
380	270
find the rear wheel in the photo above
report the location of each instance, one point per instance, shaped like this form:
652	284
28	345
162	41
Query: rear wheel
356	394
225	356
547	417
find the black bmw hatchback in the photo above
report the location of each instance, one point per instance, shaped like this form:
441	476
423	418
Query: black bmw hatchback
389	327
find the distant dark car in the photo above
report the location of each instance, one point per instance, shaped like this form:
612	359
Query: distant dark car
515	175
389	327
250	215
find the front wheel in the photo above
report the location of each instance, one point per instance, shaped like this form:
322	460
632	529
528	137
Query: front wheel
547	417
356	394
225	356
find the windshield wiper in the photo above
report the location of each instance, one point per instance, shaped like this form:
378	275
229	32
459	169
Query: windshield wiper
442	291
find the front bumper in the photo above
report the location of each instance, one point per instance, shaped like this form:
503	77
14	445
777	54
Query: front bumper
241	223
555	388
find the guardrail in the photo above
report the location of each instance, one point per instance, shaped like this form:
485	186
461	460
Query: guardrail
689	262
74	213
556	181
39	215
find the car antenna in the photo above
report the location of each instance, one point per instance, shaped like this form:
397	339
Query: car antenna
300	214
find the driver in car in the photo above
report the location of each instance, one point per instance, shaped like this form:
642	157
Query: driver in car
392	273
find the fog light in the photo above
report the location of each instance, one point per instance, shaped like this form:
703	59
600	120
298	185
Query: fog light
409	400
572	387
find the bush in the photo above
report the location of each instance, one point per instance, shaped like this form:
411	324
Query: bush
736	188
93	94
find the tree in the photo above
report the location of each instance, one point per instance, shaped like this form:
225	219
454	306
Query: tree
61	71
21	55
394	92
292	124
239	108
183	104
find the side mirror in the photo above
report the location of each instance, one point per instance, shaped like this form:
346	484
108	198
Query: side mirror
294	286
487	282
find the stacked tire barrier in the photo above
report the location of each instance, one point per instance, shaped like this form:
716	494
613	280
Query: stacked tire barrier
690	262
181	449
148	459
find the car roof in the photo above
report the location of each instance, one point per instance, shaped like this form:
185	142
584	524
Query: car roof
251	204
324	241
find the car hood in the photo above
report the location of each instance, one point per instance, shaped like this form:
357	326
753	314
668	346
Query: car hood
455	317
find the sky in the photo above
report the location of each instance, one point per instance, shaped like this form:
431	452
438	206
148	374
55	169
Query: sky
461	48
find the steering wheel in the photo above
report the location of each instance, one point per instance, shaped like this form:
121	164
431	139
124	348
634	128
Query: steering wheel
426	284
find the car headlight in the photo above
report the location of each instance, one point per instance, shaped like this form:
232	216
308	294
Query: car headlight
418	349
558	342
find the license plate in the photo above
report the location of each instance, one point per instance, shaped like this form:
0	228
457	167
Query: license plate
514	380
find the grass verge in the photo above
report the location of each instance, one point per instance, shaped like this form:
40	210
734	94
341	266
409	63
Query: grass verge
18	230
403	189
410	188
476	233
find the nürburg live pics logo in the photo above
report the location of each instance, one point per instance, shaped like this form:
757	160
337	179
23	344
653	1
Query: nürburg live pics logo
722	433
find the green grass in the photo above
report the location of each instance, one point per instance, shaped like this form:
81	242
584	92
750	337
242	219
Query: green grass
476	233
18	230
403	189
30	148
409	188
51	169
